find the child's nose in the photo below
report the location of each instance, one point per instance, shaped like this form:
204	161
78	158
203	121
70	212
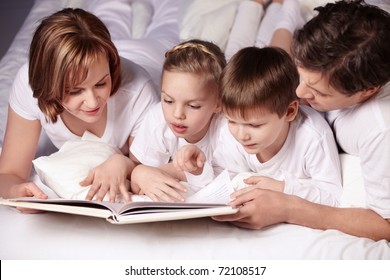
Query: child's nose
179	112
242	133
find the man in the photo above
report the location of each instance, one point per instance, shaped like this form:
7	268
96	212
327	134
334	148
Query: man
342	56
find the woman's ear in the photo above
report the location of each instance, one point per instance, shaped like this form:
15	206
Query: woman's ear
292	110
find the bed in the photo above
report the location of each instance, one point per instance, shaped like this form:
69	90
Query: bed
43	236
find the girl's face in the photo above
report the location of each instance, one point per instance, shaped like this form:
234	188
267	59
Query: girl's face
188	104
262	133
87	101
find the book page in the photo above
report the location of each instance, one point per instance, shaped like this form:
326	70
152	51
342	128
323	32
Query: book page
218	191
79	207
214	195
180	214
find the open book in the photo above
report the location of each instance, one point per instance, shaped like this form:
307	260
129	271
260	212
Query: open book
209	201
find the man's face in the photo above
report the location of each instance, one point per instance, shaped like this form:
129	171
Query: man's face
314	89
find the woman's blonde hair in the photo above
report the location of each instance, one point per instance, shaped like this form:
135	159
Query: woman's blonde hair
62	49
197	57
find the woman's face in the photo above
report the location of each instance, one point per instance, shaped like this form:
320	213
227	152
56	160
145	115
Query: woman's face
87	100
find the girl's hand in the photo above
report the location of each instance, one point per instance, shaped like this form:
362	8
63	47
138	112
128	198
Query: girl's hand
156	184
189	158
109	177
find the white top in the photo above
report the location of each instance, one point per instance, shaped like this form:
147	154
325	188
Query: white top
364	130
155	143
308	162
125	109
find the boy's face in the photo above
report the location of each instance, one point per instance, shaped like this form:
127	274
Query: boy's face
262	133
188	104
315	90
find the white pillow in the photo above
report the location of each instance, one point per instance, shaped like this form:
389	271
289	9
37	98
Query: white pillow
65	169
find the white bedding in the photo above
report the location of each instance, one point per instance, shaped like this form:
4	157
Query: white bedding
59	236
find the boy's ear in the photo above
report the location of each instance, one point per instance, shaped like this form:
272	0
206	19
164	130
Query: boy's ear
218	107
292	110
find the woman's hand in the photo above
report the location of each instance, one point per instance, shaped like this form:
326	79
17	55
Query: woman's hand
110	177
28	189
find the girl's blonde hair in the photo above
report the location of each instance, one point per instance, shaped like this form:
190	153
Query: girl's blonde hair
197	57
62	49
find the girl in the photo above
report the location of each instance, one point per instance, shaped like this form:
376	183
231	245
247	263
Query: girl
189	113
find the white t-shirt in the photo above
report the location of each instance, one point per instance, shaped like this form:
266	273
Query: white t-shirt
125	109
308	162
155	143
364	130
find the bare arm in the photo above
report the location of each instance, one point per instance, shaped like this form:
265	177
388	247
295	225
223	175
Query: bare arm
355	221
261	208
18	151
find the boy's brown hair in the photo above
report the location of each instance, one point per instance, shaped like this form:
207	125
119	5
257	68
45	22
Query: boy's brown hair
259	79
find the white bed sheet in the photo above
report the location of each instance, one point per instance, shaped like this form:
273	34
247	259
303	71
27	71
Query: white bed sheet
60	236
